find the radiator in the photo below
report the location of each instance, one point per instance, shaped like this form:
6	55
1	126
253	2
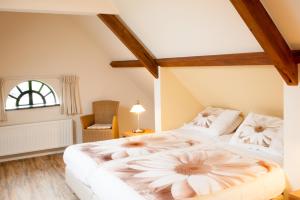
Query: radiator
32	137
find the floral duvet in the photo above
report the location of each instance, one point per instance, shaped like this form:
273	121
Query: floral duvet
139	146
176	166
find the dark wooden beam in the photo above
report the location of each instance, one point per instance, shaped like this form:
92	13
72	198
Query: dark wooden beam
126	64
131	42
255	58
296	54
265	31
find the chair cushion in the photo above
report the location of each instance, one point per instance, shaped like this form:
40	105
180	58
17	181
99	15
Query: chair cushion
100	126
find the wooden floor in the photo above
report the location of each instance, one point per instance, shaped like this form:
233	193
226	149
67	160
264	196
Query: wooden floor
40	178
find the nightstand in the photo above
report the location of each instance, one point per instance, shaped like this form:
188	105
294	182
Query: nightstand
130	133
294	195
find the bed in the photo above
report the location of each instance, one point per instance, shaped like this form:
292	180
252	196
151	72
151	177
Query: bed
165	166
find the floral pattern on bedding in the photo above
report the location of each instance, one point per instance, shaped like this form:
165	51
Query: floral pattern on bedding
189	173
259	130
206	118
136	146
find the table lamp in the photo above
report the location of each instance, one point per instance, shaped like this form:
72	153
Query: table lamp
138	108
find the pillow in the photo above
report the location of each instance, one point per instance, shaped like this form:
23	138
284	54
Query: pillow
227	122
206	117
260	132
216	121
100	126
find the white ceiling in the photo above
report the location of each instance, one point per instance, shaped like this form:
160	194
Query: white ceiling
184	28
286	15
104	37
170	28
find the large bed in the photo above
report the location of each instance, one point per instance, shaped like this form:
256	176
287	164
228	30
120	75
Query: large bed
177	164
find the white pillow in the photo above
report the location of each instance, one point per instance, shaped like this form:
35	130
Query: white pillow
216	121
260	132
100	126
227	122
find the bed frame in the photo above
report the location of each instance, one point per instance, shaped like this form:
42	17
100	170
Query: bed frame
83	192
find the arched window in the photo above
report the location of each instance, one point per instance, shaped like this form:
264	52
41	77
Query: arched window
31	94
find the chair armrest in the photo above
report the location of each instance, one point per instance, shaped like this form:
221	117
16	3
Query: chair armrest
115	127
87	120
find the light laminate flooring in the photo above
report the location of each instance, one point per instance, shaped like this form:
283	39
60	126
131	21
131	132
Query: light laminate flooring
40	178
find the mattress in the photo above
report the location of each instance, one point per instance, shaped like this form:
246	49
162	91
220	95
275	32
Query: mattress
144	173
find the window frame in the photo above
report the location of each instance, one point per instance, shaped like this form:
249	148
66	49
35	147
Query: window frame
30	93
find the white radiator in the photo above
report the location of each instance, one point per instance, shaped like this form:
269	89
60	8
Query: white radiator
35	137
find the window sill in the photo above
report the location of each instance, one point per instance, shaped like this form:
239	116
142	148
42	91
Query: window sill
30	108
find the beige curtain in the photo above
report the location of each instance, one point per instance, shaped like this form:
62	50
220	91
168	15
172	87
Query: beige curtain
71	104
2	102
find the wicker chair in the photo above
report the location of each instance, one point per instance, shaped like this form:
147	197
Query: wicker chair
105	112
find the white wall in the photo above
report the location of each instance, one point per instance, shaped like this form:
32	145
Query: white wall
247	88
157	102
42	45
86	7
178	104
292	134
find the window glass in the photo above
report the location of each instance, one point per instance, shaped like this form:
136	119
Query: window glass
31	94
45	91
10	103
36	85
24	86
37	99
15	92
24	100
50	99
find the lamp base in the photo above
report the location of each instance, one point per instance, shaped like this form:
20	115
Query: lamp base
138	131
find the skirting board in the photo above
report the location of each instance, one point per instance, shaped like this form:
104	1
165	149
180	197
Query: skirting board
31	154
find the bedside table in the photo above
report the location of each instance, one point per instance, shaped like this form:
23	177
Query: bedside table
294	195
130	133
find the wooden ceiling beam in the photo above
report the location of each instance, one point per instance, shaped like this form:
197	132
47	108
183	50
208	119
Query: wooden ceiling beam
296	54
266	33
126	64
255	58
128	38
216	60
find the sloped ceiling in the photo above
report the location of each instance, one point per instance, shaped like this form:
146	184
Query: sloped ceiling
104	37
173	28
170	28
286	16
199	27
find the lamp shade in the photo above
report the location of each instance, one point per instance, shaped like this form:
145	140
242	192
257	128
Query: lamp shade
137	108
